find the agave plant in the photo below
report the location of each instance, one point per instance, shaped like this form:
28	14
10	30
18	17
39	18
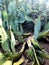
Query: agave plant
36	52
13	14
7	41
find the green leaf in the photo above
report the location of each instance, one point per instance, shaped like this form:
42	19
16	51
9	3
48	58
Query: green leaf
36	44
43	34
1	55
13	42
46	27
29	54
37	27
12	25
12	7
5	15
21	29
16	22
44	54
18	33
4	40
0	22
21	17
35	55
3	34
16	55
2	60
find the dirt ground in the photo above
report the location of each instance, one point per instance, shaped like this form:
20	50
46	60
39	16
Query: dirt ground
45	46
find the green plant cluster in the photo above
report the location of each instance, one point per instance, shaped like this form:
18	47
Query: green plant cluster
12	14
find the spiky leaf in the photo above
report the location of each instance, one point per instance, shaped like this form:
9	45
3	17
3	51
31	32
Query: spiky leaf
13	42
37	27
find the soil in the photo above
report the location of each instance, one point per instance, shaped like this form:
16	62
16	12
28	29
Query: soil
45	46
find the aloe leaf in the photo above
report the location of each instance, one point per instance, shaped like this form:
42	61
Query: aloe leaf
21	29
35	43
2	58
15	55
29	54
0	22
21	17
4	41
37	27
35	55
12	25
1	55
2	61
20	39
15	24
17	33
18	54
13	41
43	34
43	54
46	27
3	34
5	15
11	5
